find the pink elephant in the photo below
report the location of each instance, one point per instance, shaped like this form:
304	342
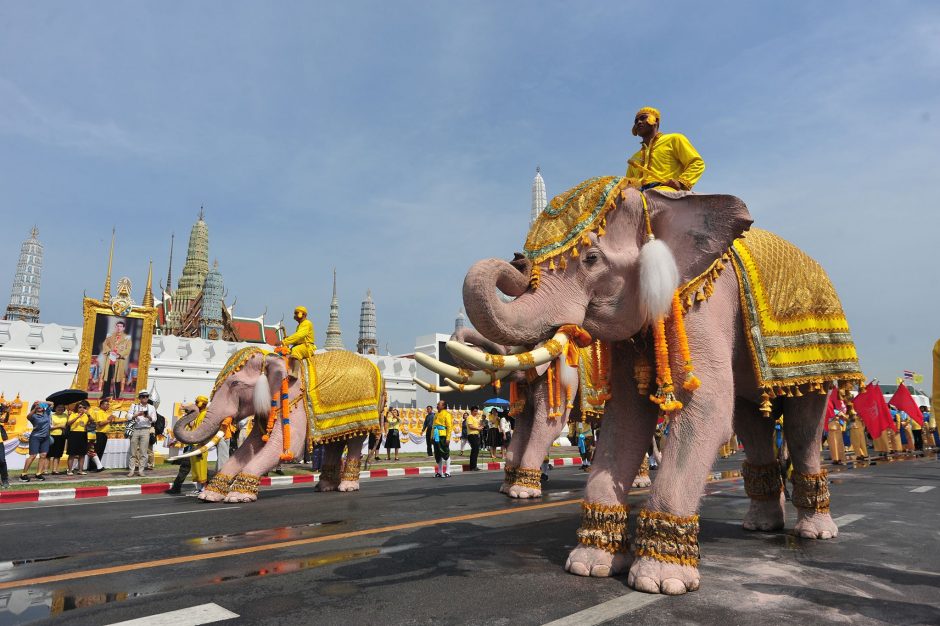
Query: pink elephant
594	279
245	388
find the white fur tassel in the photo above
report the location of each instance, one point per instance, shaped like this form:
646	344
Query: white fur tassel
659	279
262	396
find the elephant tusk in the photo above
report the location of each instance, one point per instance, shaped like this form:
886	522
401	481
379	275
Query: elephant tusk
460	387
546	353
216	438
462	376
431	387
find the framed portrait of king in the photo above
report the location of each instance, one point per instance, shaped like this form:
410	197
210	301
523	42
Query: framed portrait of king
115	353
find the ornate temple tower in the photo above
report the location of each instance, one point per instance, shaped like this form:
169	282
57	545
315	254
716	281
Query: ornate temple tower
24	296
461	321
210	321
367	342
194	275
334	337
539	197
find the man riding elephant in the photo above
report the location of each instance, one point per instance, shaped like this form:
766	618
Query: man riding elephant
667	161
302	343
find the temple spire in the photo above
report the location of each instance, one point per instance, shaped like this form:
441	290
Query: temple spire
539	196
24	295
169	267
148	290
368	344
107	281
334	337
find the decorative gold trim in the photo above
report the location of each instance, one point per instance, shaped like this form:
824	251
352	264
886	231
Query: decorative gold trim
526	360
220	483
351	470
604	526
498	360
510	473
811	491
762	482
246	483
667	538
554	347
527	477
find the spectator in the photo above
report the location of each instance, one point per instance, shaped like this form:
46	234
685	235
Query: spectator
58	428
493	438
159	425
103	420
505	430
224	450
142	416
392	437
39	439
463	432
443	429
77	438
4	475
428	427
474	423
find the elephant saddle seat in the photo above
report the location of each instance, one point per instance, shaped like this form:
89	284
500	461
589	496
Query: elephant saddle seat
342	395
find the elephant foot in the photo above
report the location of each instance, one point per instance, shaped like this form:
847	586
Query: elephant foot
523	492
240	496
766	515
211	496
590	561
504	488
815	525
652	576
642	481
325	485
348	485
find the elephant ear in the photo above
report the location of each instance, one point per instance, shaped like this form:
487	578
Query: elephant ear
698	228
269	382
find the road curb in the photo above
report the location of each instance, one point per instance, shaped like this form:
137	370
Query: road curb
104	491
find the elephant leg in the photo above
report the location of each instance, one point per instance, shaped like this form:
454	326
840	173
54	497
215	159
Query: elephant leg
349	477
762	480
220	485
520	442
802	426
247	482
330	469
627	427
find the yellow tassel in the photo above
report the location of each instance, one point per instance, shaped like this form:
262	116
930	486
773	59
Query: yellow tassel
574	253
700	297
551	265
797	392
562	263
765	406
585	241
600	231
689	302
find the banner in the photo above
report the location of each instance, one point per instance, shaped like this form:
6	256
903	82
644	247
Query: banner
903	400
873	410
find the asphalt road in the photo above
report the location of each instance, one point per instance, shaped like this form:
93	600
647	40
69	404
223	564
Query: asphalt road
453	551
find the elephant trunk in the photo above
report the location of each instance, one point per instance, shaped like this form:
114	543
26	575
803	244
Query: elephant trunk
531	317
201	433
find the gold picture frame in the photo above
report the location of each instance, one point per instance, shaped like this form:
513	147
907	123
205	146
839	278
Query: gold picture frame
114	358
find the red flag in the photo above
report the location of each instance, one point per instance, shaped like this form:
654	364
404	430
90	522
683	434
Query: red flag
871	407
903	400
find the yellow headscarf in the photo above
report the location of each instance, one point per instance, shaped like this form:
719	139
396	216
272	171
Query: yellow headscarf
649	111
302	309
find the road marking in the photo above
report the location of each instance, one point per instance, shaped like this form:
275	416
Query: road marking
117	569
609	610
203	510
923	489
194	615
842	520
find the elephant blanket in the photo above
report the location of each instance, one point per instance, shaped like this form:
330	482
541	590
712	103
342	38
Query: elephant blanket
343	395
795	327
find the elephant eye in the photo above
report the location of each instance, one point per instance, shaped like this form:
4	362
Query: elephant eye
591	257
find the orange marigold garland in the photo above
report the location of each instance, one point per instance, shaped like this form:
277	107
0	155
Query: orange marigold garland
665	395
691	383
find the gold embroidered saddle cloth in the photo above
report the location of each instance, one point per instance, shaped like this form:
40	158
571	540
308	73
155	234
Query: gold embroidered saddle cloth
342	395
795	327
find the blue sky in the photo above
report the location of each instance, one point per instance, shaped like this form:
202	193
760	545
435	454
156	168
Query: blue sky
398	141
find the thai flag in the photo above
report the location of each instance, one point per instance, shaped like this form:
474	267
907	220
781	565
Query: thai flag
908	375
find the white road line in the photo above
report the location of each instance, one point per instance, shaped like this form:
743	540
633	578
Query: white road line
606	611
842	520
205	510
201	614
923	489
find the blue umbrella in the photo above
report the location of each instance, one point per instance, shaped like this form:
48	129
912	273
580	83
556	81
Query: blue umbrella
497	402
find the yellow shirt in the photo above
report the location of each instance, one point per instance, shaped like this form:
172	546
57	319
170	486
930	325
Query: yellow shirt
303	337
668	156
102	419
393	422
78	423
445	419
474	424
59	420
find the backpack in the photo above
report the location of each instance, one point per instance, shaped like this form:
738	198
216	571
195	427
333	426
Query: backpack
160	425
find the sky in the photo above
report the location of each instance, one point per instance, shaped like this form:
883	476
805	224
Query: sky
397	142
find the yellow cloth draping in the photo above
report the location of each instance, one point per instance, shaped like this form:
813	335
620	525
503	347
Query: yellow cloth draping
669	155
200	463
342	395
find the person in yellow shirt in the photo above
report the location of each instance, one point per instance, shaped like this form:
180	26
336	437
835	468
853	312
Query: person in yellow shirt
60	418
664	160
474	426
392	437
78	439
302	343
200	463
443	428
835	441
103	419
